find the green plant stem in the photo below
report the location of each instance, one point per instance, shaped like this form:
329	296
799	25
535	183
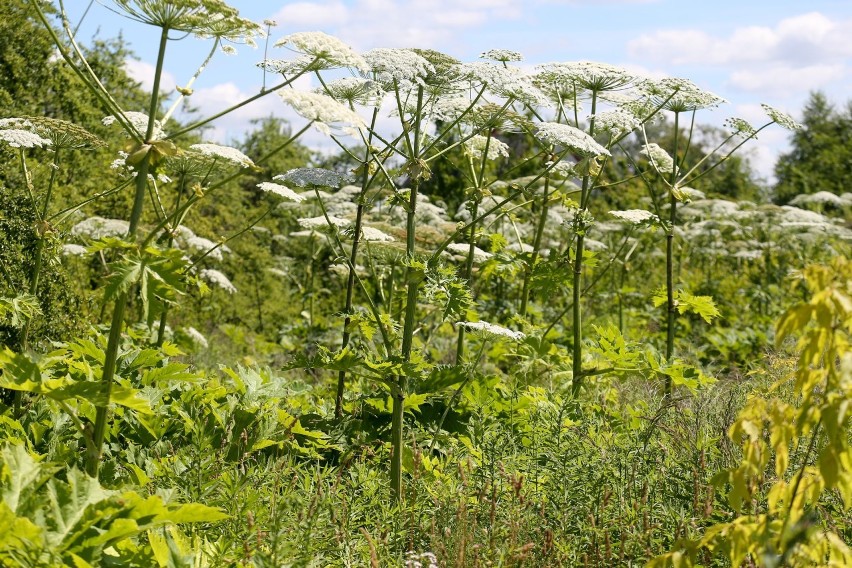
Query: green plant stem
577	314
353	255
413	283
111	354
671	309
539	231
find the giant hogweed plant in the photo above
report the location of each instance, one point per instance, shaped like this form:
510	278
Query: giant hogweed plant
441	105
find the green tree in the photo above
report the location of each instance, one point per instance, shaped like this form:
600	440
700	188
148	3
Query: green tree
821	154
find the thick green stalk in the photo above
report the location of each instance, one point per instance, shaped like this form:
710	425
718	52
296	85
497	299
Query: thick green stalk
111	355
350	281
670	304
577	319
413	282
539	231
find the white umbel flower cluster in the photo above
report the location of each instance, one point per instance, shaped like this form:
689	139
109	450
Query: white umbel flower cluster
397	65
475	146
782	119
509	82
585	75
616	122
281	191
461	250
218	279
18	138
322	109
139	121
659	158
635	216
372	234
98	227
321	222
680	95
325	47
196	337
564	135
502	55
304	177
226	153
492	330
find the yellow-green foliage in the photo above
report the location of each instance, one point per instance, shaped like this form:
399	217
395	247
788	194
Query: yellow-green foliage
795	455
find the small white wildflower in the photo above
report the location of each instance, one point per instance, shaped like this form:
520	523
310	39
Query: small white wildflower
475	146
320	108
564	135
229	50
281	191
98	228
226	153
325	47
782	119
635	216
139	121
321	222
218	279
70	249
502	55
196	337
493	330
659	158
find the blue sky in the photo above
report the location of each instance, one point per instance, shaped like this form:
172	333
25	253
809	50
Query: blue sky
748	52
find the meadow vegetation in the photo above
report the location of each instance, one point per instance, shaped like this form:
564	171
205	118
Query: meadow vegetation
544	319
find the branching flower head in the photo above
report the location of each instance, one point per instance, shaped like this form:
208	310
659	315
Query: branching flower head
304	177
504	81
354	91
328	49
231	155
323	110
139	121
476	146
60	133
204	18
398	66
782	119
741	127
680	95
569	137
659	158
616	122
501	55
585	76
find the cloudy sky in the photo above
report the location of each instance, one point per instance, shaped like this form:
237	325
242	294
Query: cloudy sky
773	51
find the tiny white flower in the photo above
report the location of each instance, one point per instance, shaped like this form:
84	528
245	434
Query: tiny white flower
229	50
196	337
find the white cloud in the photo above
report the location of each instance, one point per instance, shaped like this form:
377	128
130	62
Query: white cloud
365	24
143	72
784	80
800	41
